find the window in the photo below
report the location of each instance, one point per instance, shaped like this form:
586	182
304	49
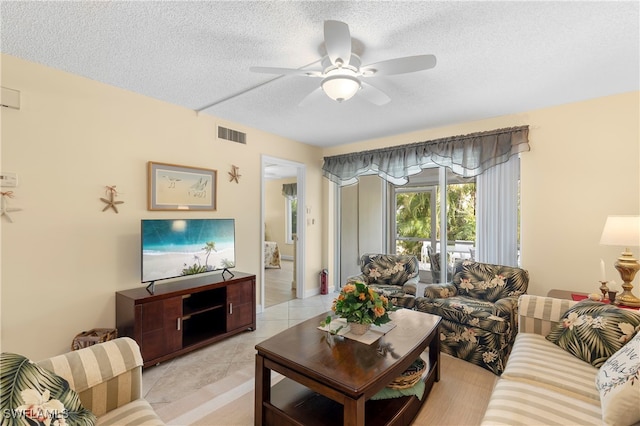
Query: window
417	220
291	208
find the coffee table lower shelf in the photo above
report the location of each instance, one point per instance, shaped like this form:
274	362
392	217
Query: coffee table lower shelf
294	404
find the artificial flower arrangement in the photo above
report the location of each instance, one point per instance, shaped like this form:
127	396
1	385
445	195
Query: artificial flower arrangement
357	303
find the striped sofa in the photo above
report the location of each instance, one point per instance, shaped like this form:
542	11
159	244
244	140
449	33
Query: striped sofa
108	380
542	383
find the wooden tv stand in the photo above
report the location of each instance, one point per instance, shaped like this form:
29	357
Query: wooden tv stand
184	315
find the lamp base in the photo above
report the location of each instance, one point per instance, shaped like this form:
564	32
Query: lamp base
627	266
628	300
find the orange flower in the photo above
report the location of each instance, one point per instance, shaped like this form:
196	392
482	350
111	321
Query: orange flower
357	302
349	288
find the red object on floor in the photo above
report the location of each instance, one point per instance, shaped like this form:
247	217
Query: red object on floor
324	281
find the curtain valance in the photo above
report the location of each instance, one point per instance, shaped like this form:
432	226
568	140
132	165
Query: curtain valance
290	190
466	155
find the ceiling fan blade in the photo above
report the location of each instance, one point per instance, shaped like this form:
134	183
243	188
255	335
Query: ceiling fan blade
399	65
275	70
337	40
373	94
312	97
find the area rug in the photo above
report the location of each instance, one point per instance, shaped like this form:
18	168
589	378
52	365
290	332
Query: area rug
230	401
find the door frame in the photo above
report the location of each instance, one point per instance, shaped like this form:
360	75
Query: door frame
301	172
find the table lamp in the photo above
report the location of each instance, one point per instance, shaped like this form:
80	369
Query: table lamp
624	231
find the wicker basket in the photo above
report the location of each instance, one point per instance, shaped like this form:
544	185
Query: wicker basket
410	377
93	336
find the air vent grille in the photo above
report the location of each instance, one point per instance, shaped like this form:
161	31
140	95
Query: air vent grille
231	135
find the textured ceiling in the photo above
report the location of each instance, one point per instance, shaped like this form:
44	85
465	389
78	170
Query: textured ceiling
494	58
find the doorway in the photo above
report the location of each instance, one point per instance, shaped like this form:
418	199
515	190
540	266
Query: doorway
282	237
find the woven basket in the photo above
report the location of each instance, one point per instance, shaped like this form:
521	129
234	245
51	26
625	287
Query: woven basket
410	377
92	337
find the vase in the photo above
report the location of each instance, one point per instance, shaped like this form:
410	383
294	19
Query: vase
359	329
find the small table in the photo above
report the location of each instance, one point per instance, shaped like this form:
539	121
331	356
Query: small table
330	379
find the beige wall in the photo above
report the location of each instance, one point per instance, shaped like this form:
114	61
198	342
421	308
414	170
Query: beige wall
63	259
275	215
583	165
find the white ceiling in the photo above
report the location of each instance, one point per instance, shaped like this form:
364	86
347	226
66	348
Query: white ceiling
494	58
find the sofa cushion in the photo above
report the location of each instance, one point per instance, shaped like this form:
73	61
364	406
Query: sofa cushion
135	413
464	310
518	403
106	376
618	382
389	268
593	331
489	282
41	395
539	362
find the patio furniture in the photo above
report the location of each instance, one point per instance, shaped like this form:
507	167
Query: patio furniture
434	261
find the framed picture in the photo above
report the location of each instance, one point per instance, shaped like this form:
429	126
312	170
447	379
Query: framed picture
174	187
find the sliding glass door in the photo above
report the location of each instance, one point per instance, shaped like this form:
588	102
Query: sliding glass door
421	226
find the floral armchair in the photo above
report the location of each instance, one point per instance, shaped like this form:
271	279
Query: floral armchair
479	311
395	276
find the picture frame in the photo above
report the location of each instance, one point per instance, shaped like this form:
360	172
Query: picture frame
180	188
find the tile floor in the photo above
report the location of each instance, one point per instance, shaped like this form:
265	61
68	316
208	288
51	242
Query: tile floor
174	379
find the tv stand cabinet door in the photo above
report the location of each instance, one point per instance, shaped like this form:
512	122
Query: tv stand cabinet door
161	327
241	306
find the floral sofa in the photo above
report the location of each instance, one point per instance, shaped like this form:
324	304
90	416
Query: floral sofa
395	276
478	310
99	384
572	363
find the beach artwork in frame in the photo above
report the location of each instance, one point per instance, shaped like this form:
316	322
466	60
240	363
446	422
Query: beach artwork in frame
174	187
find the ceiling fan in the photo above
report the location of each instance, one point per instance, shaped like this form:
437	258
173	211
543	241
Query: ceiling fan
342	74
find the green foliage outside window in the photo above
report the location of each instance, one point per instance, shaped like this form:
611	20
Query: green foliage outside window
413	216
294	216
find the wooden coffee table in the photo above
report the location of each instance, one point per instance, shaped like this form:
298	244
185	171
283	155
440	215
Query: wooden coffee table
330	379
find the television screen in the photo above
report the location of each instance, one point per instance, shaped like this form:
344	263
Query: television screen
177	247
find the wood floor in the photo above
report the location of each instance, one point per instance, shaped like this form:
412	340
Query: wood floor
277	284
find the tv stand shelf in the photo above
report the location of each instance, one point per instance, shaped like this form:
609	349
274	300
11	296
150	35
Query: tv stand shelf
186	314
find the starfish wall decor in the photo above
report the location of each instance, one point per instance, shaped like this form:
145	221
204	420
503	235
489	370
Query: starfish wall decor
234	174
4	206
111	190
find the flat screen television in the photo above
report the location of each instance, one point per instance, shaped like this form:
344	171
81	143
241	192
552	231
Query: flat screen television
173	248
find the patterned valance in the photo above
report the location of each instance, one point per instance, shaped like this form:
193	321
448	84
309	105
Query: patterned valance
290	190
466	155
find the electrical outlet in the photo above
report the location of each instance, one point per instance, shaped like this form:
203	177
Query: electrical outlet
9	180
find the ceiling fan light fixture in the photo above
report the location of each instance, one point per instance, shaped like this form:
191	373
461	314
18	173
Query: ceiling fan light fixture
340	87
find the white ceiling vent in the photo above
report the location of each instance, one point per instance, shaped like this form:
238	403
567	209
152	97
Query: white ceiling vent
231	135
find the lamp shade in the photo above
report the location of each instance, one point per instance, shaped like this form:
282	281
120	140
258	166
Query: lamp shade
621	231
340	87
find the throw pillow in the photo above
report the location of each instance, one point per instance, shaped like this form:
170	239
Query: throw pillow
618	382
32	395
593	331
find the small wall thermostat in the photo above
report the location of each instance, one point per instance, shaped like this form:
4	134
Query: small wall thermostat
9	180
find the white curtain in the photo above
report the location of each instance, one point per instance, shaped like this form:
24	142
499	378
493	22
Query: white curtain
497	214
